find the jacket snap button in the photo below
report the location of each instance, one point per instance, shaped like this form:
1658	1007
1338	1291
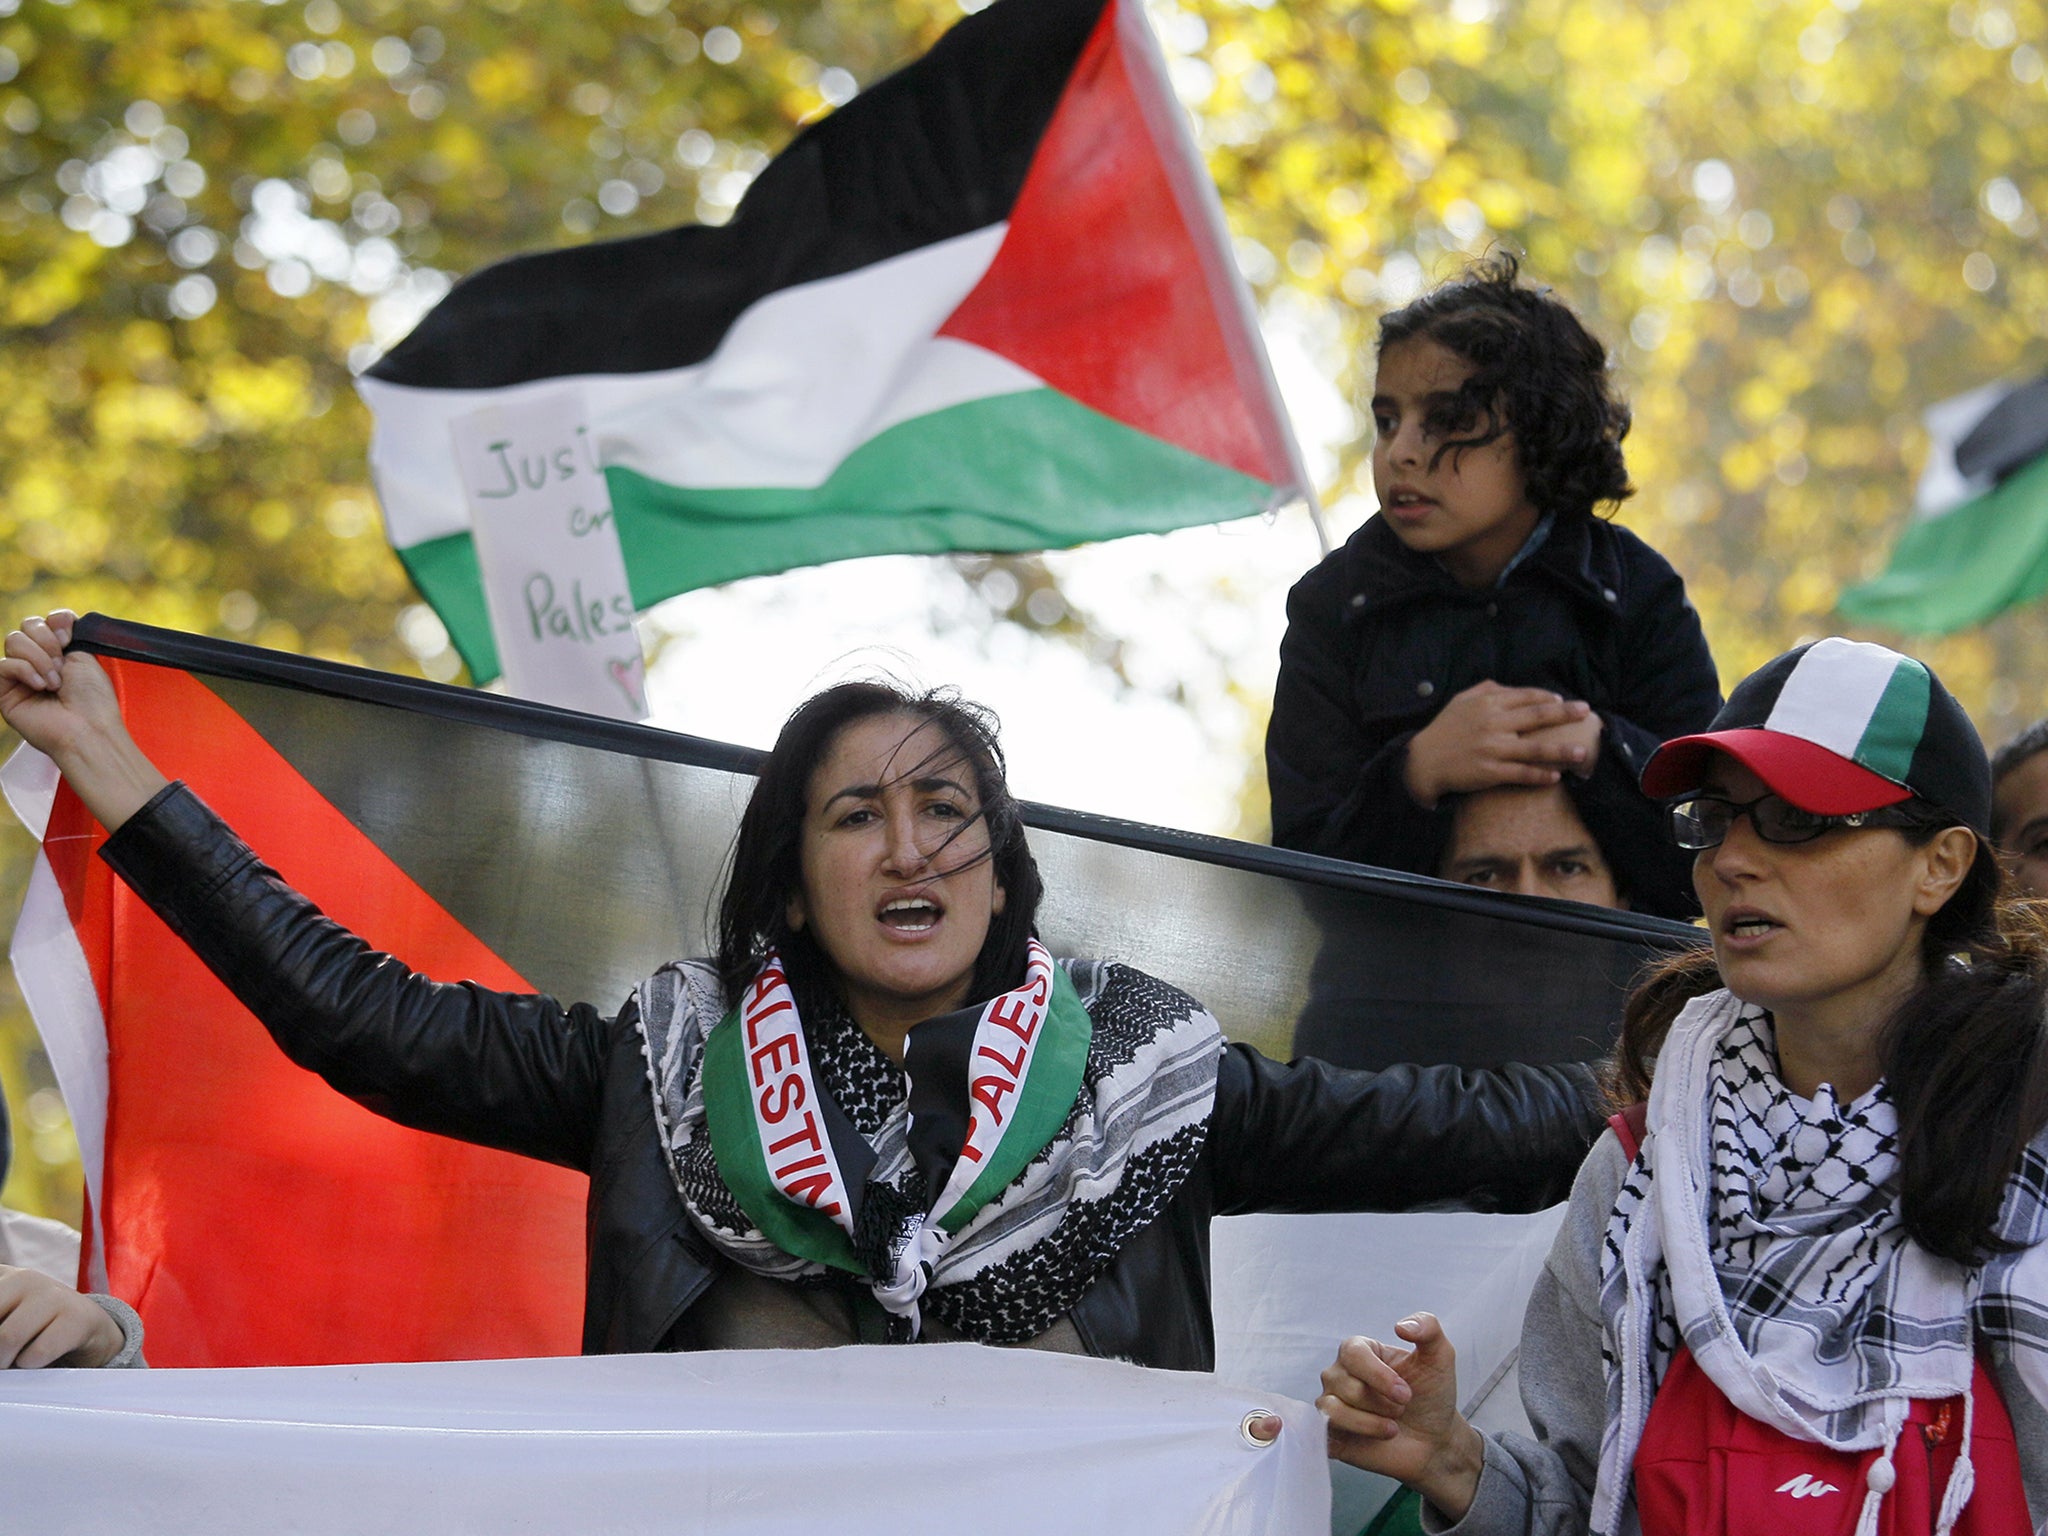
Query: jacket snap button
1493	610
1358	599
1425	688
1608	593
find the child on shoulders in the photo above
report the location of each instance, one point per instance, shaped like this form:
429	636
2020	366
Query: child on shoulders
1486	627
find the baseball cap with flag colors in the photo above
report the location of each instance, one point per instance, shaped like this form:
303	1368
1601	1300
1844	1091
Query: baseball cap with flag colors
1840	726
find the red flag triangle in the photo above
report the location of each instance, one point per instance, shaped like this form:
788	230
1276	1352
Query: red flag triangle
253	1215
1114	219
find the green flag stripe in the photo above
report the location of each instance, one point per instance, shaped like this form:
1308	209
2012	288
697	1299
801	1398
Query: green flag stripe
1893	734
729	1115
1035	470
447	574
1043	1102
1962	567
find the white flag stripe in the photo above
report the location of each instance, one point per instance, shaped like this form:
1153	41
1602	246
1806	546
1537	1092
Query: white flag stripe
56	982
1942	485
915	1442
804	377
29	782
1833	692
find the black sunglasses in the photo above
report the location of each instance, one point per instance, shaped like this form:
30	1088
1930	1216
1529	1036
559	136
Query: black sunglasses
1704	820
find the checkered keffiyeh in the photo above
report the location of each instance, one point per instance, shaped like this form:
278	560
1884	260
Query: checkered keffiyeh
1133	1137
1764	1231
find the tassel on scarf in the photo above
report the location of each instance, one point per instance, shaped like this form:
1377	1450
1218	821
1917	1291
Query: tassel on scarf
1962	1481
1882	1473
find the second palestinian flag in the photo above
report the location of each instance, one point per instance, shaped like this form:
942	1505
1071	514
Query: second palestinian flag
989	305
1977	542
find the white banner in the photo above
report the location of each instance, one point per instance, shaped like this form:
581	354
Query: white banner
934	1439
1287	1288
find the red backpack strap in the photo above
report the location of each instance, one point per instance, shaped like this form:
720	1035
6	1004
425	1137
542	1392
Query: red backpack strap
1629	1125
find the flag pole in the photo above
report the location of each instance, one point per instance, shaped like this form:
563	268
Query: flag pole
1315	513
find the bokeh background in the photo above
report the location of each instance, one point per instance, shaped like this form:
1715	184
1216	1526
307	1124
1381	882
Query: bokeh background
1797	222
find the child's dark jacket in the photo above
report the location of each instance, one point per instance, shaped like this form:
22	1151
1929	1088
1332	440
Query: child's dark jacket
1380	638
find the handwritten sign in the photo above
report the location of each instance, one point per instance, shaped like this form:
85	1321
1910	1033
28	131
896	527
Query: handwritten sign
554	576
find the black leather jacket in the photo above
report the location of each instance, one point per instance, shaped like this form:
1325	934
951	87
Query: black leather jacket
528	1075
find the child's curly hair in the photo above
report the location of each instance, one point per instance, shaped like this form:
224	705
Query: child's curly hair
1537	372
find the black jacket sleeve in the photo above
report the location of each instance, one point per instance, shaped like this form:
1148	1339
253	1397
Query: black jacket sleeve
1337	788
1667	687
1312	1137
517	1072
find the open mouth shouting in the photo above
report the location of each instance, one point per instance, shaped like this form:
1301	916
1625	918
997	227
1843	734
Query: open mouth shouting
911	914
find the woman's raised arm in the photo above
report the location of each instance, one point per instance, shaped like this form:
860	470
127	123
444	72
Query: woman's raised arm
64	705
511	1070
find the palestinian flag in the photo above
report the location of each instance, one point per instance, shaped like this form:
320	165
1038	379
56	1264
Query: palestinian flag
1977	543
252	1215
988	305
257	1217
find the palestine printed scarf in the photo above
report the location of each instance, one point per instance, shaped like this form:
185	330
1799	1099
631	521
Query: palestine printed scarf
988	1181
1764	1232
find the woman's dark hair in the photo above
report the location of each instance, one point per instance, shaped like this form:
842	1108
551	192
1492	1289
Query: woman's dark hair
1965	1054
1537	372
767	867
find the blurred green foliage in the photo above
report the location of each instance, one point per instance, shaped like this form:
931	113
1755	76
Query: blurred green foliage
1799	223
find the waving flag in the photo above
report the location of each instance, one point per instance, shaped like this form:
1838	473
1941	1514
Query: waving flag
988	305
1978	539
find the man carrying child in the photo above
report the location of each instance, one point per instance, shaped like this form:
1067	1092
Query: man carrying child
1487	628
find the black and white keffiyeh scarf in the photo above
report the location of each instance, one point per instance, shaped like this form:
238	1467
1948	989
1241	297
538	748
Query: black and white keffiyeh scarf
1763	1231
1025	1252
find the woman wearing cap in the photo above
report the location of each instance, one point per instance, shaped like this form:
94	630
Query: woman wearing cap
1816	1296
